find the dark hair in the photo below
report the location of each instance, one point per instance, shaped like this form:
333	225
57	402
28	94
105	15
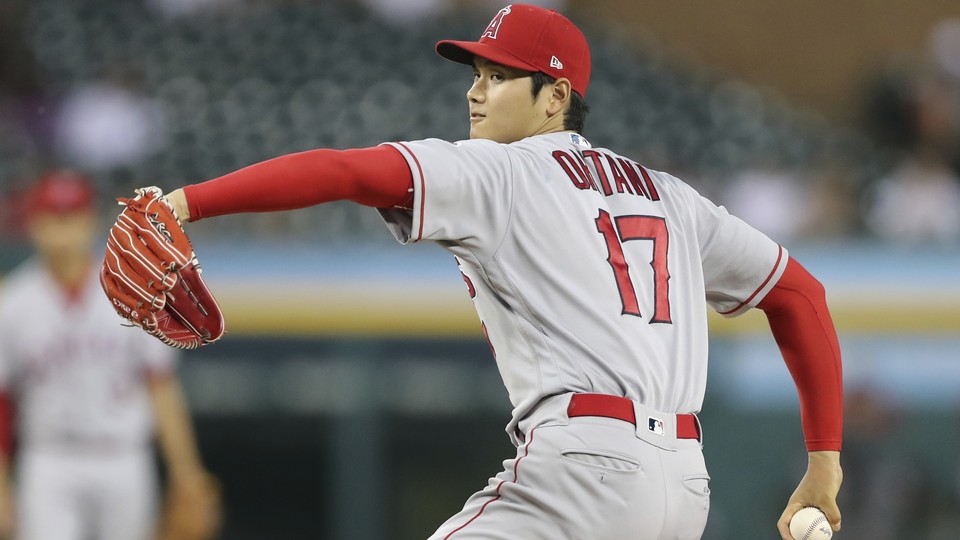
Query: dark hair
576	114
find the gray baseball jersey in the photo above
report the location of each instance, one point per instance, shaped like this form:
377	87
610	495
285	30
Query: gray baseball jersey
76	374
588	271
84	418
591	275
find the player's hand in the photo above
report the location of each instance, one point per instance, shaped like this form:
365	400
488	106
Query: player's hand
819	487
7	514
152	277
192	508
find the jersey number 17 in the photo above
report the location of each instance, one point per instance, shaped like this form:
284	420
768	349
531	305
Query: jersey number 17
619	229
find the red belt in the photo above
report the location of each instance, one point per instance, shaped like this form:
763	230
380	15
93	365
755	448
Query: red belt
621	408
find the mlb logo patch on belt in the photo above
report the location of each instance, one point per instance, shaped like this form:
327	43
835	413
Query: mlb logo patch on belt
655	425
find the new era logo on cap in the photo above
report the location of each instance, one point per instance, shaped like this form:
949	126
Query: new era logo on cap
556	63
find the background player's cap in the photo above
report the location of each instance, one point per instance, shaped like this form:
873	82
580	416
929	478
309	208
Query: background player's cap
529	38
62	191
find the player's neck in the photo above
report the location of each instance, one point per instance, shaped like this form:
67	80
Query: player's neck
69	271
551	124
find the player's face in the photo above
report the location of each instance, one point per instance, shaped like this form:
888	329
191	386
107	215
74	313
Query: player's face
61	235
502	107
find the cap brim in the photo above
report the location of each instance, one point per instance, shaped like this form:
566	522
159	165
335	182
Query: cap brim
463	52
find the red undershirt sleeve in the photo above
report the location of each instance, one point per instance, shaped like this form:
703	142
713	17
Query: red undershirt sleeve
377	177
796	309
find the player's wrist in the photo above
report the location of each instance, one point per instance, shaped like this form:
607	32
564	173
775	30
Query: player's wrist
186	473
824	458
178	199
824	476
825	465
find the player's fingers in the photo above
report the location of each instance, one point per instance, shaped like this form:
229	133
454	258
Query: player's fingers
833	515
125	244
155	235
145	293
159	237
123	303
139	287
783	524
159	228
784	528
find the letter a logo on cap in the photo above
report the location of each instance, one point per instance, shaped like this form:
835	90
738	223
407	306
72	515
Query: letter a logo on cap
494	26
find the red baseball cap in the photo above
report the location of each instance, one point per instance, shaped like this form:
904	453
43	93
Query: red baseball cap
62	191
530	38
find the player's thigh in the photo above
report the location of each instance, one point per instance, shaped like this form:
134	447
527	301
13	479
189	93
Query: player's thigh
591	479
688	486
48	502
613	481
127	499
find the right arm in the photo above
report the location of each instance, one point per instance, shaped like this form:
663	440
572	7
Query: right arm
378	177
797	311
736	259
7	422
7	522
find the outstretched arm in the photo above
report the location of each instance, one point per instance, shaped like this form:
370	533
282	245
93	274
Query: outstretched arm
147	244
797	311
377	177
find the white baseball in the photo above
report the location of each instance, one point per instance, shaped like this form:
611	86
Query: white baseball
810	524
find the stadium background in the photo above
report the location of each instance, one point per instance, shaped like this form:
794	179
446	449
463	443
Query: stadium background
356	399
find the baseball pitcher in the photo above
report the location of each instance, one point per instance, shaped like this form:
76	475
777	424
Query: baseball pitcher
591	275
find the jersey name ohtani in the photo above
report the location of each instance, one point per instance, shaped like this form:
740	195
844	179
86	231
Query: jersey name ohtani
616	174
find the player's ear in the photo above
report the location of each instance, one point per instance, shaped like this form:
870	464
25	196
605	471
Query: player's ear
559	96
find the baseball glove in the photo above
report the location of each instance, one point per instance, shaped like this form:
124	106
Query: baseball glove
152	277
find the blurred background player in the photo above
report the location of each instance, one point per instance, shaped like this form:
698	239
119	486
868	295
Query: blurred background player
85	395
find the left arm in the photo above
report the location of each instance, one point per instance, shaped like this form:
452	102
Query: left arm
797	311
7	510
174	428
190	484
378	177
